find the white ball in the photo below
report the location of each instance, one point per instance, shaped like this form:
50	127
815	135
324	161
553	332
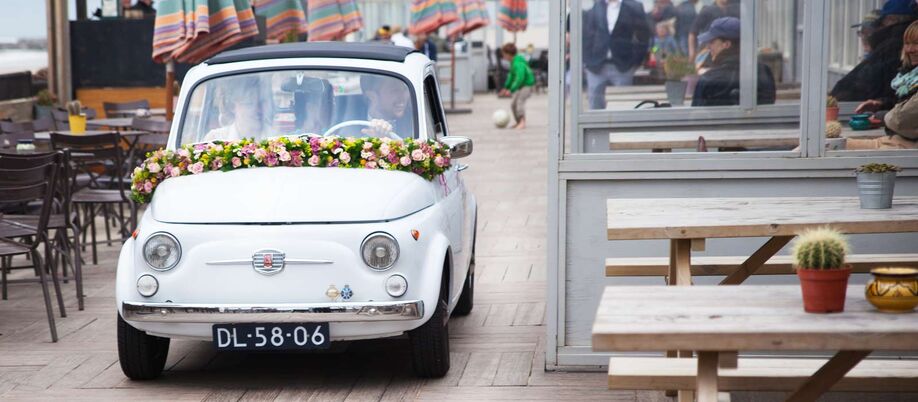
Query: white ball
501	118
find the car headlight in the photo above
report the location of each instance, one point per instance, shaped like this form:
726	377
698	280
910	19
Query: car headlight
379	250
162	251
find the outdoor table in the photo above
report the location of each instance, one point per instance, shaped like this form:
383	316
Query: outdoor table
715	319
130	138
684	221
668	140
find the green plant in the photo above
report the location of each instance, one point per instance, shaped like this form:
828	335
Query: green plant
878	168
74	108
45	98
831	101
677	66
822	248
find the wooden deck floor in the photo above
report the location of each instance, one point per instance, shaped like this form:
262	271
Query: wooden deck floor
497	351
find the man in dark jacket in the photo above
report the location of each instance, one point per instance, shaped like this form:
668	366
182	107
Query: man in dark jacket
711	12
871	77
616	38
720	86
685	17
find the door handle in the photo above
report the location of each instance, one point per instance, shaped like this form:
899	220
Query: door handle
462	167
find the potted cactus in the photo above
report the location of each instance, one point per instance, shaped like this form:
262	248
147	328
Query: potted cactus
819	256
831	108
875	184
676	67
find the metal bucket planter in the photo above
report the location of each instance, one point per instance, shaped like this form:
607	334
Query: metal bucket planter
876	189
675	92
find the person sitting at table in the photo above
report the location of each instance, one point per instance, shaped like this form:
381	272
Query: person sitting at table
720	85
244	115
902	121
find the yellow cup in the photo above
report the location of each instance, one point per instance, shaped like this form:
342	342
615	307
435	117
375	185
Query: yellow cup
78	124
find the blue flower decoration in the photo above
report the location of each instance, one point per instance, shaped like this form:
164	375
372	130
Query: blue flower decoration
347	293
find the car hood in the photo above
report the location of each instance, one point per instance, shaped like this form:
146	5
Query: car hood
291	195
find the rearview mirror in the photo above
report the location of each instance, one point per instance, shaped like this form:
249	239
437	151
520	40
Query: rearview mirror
459	147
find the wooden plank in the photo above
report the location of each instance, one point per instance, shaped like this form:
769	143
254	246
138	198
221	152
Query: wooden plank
501	315
762	138
724	265
752	317
706	379
480	370
760	374
529	314
689	218
513	369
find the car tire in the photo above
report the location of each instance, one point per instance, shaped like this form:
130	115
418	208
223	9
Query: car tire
430	342
142	356
466	303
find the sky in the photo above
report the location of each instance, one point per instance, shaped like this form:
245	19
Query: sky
26	18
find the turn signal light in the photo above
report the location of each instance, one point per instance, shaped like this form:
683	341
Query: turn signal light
415	234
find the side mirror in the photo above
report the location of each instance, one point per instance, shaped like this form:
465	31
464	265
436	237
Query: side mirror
459	147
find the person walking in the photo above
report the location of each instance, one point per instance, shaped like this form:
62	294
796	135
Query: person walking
616	39
519	83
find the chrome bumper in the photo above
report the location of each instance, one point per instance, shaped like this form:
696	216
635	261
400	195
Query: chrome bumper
239	313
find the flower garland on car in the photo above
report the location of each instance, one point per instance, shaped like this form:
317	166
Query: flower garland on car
427	159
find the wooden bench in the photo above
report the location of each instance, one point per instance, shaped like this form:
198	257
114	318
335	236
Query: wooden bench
759	374
777	265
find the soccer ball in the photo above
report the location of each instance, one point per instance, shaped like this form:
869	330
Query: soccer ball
501	118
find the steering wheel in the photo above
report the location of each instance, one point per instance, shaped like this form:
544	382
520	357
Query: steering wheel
349	123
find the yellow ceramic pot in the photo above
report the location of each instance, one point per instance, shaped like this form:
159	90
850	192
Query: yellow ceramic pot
893	290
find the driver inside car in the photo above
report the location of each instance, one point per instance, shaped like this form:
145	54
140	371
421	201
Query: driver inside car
244	113
387	106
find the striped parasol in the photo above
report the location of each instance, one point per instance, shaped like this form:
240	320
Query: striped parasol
512	15
429	15
282	17
189	31
472	15
333	19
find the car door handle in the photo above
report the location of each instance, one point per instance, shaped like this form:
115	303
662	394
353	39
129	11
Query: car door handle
462	167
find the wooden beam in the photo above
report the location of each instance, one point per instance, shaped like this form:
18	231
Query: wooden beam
828	375
756	260
707	376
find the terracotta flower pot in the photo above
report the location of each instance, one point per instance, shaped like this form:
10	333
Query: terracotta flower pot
824	289
832	113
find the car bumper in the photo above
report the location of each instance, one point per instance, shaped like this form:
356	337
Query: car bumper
273	313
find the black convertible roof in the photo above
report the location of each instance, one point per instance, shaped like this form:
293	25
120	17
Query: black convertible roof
347	50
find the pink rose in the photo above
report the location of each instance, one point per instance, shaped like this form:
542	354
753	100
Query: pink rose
271	159
260	154
183	153
283	155
440	161
371	165
345	157
313	160
418	155
405	161
154	167
147	186
237	162
196	168
368	155
384	149
175	171
216	164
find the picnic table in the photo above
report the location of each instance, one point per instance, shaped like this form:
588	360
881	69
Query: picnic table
687	222
770	138
712	320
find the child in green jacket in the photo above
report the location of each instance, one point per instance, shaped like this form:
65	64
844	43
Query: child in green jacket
519	83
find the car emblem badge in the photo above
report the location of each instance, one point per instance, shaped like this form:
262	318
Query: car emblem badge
347	293
268	262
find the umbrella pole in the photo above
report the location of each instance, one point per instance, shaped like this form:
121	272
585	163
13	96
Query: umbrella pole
452	81
170	82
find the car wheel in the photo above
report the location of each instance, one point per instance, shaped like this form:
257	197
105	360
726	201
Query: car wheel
466	302
142	356
430	342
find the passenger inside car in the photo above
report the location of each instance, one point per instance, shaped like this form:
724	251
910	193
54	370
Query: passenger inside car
242	111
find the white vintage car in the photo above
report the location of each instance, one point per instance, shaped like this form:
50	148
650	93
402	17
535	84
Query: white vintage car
281	258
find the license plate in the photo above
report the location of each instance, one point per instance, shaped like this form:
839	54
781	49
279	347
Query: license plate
271	336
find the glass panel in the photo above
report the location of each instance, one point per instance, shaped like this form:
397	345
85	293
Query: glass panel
296	102
875	109
668	76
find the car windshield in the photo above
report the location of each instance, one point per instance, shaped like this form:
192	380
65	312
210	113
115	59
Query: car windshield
269	104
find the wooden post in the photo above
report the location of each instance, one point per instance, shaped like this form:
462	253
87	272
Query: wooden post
170	82
707	377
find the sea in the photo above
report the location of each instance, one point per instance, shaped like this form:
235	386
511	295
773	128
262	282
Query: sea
15	60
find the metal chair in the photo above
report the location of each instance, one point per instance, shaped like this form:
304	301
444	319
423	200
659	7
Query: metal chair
124	109
99	152
23	186
159	133
65	246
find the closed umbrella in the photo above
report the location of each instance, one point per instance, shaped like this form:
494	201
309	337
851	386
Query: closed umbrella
472	15
333	19
189	31
282	17
429	15
512	15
